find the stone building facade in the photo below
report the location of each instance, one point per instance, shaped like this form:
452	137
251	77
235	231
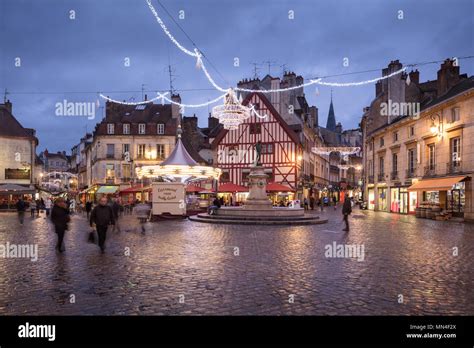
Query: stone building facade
425	155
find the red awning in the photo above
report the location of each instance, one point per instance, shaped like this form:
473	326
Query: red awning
276	187
135	189
230	187
193	188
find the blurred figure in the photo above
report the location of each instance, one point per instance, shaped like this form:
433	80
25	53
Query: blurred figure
21	208
116	207
88	208
47	205
32	208
334	200
60	218
346	211
102	216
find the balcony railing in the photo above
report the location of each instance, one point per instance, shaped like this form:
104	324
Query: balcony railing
381	177
110	156
430	170
410	173
453	167
394	175
371	179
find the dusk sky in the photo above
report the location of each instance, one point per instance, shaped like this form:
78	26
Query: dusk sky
74	59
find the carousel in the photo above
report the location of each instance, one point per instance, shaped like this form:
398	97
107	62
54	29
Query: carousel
171	178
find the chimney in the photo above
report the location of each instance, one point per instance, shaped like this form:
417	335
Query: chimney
146	97
339	127
414	76
7	105
175	109
212	122
448	76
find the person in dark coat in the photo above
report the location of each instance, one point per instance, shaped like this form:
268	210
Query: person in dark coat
21	208
60	218
311	202
334	200
346	211
88	208
116	207
102	216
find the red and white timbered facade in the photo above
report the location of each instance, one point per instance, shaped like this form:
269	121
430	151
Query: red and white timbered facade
281	147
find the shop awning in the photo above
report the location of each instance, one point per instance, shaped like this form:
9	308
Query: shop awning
107	189
135	189
15	189
230	187
439	184
193	188
276	187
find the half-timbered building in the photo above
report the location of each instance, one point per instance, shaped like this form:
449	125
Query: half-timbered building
281	149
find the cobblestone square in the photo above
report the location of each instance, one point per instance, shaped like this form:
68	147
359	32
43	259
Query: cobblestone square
190	268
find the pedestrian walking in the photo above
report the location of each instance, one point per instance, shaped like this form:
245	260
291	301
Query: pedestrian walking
47	206
88	208
321	203
102	216
116	207
311	202
21	208
346	211
32	208
334	200
38	207
60	218
305	203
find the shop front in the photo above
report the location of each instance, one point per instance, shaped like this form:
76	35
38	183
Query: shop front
449	193
382	198
371	199
399	202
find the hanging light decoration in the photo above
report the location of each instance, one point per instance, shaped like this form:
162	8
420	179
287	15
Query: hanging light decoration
232	113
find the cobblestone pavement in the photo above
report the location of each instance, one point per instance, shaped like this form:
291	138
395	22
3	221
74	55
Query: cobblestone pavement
278	270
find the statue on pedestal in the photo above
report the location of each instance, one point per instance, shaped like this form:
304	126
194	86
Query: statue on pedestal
258	150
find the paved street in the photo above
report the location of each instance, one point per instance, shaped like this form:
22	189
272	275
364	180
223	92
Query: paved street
278	270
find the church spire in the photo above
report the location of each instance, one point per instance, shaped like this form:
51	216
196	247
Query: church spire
331	122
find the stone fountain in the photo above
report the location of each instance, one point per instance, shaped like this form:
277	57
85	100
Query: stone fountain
258	209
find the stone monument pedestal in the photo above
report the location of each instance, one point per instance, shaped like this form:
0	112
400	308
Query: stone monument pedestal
257	198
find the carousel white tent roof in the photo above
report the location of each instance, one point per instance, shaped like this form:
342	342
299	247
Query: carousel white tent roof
179	164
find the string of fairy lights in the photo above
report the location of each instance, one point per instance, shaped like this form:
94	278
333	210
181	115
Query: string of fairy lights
232	113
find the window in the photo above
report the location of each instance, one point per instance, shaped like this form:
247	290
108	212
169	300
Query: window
455	151
110	150
141	128
160	128
431	157
126	172
382	142
394	163
411	131
381	166
267	148
255	128
395	137
371	167
160	151
371	146
125	148
109	171
455	114
141	149
110	128
126	128
411	160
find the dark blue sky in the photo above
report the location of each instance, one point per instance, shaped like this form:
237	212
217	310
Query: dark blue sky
60	55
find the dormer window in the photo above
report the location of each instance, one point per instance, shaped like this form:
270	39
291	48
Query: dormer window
126	128
141	128
160	128
110	128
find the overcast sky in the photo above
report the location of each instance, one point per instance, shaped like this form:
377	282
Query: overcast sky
86	55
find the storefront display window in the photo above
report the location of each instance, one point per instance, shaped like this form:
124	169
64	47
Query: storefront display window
432	196
371	203
395	200
382	199
413	201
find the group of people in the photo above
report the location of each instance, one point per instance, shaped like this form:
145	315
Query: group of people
105	213
35	206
